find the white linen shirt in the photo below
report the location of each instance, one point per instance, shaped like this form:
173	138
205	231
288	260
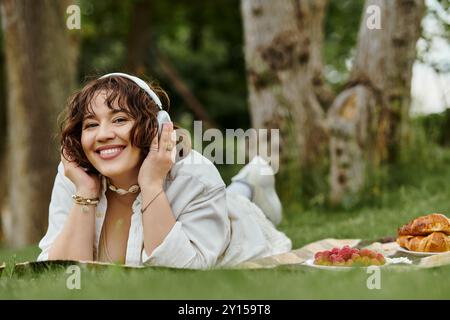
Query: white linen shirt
213	227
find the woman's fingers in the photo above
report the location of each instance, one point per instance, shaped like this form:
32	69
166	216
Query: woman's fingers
67	161
166	142
154	144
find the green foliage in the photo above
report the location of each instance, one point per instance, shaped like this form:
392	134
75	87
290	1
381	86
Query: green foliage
202	40
341	30
436	127
105	26
205	46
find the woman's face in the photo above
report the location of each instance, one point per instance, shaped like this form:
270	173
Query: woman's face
105	139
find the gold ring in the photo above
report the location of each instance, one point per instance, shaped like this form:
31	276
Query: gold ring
169	147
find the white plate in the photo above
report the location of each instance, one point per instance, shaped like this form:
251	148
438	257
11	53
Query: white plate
418	253
310	263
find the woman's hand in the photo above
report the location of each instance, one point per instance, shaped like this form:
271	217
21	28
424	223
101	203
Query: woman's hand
159	159
87	185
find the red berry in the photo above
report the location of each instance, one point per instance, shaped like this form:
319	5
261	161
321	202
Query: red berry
365	252
347	254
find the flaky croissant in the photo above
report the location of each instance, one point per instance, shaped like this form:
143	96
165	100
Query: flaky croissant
425	225
435	242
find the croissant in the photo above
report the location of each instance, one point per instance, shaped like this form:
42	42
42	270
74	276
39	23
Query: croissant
435	242
425	225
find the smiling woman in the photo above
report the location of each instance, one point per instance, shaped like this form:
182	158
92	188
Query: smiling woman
104	125
123	194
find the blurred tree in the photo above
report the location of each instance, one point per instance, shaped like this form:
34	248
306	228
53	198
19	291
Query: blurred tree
368	120
3	128
141	52
283	41
203	43
40	74
211	67
139	42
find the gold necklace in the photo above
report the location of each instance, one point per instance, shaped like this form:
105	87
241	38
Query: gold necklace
105	245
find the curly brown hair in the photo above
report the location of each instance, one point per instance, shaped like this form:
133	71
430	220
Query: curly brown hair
130	99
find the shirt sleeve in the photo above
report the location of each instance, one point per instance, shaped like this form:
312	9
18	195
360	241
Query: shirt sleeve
201	233
59	208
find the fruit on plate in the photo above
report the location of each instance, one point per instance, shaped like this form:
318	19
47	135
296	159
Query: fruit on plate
348	257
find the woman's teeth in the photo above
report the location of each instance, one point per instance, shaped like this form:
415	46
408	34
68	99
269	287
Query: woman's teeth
110	151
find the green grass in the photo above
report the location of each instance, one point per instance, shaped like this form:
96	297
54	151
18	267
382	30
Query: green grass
418	189
281	283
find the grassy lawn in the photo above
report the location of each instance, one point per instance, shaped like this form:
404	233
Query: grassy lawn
418	190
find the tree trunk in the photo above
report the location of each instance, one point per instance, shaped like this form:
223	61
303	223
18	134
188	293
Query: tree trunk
282	53
3	115
139	38
40	79
324	93
368	120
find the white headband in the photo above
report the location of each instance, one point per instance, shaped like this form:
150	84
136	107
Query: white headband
140	83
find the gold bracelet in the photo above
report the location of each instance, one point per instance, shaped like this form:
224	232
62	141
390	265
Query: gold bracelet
143	210
84	202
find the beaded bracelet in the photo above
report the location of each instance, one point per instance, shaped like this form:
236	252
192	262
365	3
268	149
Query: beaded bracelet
85	202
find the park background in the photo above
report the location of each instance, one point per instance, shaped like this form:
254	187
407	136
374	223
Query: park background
363	115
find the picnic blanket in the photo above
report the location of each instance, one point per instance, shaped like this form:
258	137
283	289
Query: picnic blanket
387	246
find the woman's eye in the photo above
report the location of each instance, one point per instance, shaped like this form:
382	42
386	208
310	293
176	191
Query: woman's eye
118	120
89	125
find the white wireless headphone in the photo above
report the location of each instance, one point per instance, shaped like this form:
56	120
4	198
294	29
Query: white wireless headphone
162	116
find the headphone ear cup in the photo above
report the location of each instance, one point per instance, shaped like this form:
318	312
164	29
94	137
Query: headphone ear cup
162	117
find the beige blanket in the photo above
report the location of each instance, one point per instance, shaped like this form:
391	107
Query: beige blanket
389	249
